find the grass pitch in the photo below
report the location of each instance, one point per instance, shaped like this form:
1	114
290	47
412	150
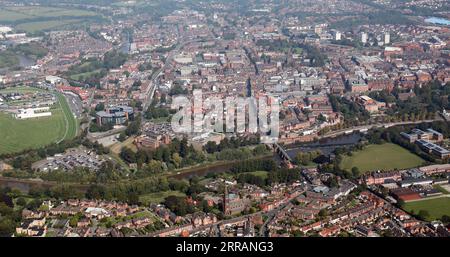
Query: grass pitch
435	207
381	157
18	135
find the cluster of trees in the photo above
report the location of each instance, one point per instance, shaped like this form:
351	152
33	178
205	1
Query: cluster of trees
32	50
429	98
94	127
9	218
145	66
111	60
114	59
178	205
175	155
316	57
154	112
353	113
178	89
232	143
304	158
275	174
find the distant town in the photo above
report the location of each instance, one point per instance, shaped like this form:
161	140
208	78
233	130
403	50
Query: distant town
87	108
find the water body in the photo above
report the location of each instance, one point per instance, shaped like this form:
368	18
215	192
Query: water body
203	171
438	21
326	145
25	61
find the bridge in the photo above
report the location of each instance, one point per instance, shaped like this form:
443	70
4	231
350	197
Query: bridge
282	153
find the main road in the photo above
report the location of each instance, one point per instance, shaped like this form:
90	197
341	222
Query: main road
155	76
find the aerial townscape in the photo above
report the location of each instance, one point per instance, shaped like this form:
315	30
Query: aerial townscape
358	93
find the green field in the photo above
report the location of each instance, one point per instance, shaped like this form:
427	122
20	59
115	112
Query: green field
17	135
381	157
46	25
42	18
435	207
70	121
82	76
158	197
260	173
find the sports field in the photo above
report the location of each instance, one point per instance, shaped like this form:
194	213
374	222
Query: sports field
259	173
18	135
381	157
42	18
158	197
435	207
46	25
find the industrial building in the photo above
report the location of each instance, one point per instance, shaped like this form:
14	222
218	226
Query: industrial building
33	113
116	115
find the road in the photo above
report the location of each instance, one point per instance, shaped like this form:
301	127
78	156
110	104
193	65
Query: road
366	127
75	104
167	64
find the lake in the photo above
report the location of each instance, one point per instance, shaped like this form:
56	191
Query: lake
437	20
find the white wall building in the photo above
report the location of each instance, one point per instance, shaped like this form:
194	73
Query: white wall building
364	37
33	113
387	38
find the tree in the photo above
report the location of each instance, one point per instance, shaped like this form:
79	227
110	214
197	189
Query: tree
21	201
100	107
355	172
128	155
95	192
323	213
445	219
122	136
176	159
133	198
423	214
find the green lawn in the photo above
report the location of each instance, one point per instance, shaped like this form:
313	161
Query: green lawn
42	18
82	76
259	173
18	135
71	122
46	25
158	197
435	207
381	157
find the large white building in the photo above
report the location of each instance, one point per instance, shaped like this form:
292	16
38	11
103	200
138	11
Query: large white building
387	38
33	113
364	37
5	29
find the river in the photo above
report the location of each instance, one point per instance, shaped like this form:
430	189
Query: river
326	146
438	21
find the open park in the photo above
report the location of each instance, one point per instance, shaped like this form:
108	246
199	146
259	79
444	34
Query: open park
381	157
41	18
17	135
435	207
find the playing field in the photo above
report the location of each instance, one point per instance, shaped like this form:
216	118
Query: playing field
18	135
158	197
259	173
46	25
41	18
435	207
381	157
